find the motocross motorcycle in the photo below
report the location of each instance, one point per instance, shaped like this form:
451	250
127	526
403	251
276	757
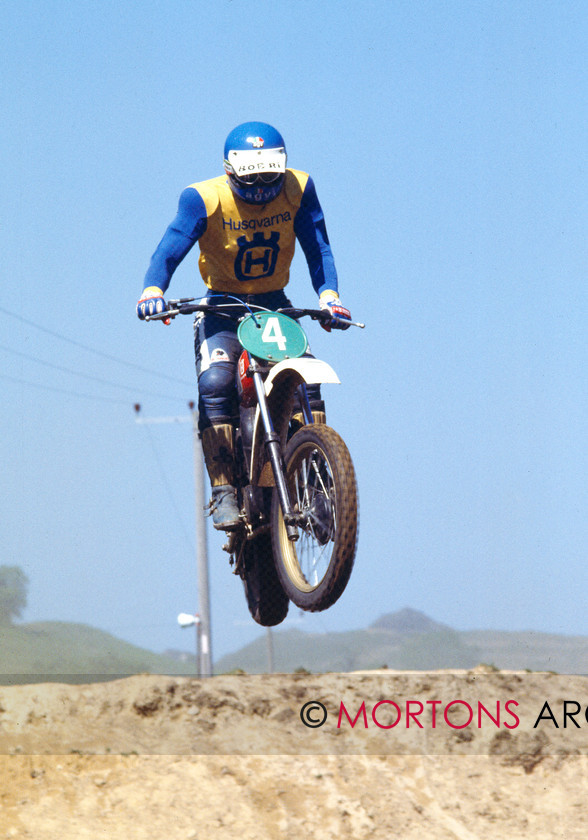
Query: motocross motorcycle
296	485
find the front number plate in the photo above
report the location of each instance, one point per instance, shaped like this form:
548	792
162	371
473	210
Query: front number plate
272	336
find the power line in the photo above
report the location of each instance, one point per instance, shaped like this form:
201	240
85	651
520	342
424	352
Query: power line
100	353
168	487
62	390
83	375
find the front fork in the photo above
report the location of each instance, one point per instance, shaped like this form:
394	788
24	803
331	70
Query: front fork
274	451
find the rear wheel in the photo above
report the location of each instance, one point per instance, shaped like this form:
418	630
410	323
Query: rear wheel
314	570
267	601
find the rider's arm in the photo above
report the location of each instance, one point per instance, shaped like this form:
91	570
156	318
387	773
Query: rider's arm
187	227
311	232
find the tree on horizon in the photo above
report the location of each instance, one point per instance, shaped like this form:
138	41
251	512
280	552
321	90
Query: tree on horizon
13	594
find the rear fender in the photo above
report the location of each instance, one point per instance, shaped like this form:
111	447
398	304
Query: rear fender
280	388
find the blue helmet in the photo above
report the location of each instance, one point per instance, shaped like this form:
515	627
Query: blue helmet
255	162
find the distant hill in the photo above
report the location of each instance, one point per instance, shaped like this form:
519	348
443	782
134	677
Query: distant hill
75	653
403	640
410	640
408	621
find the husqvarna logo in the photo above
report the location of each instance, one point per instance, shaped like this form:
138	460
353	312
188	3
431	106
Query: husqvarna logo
257	257
256	142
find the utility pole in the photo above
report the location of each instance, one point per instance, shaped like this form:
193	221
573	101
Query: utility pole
205	648
270	650
201	550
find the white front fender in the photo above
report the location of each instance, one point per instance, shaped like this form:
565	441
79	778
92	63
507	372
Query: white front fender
313	371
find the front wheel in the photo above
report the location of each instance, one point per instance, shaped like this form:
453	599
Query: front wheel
315	568
267	601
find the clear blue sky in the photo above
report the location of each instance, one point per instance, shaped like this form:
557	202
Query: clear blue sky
448	144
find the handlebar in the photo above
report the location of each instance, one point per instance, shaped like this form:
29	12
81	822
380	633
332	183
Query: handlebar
238	311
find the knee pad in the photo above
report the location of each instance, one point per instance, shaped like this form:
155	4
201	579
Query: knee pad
217	394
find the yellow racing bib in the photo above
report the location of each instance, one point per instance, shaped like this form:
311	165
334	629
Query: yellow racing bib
248	248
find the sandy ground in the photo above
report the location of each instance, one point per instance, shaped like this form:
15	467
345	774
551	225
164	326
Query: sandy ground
159	757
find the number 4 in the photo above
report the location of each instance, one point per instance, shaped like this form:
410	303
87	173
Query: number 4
273	332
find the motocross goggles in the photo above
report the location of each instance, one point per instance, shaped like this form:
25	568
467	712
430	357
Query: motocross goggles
256	178
251	166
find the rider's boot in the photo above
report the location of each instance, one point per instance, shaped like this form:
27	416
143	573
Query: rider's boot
217	446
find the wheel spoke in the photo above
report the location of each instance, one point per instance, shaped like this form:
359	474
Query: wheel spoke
320	478
314	492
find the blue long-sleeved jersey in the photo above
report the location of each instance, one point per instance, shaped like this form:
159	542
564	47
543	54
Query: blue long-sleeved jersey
246	248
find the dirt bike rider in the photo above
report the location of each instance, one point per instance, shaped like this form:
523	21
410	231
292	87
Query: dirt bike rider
246	222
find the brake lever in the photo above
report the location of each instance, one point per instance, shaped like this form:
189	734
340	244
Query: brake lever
344	320
174	303
162	316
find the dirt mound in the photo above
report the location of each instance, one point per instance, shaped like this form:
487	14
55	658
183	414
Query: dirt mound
436	755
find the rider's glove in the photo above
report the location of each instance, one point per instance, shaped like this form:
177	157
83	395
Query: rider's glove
151	302
330	301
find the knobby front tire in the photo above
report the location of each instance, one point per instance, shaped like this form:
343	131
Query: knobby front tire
315	569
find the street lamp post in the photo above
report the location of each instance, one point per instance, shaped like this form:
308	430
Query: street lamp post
189	620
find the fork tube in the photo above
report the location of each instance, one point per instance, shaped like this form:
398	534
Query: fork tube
274	451
306	409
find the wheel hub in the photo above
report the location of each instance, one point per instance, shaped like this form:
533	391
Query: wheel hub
320	518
